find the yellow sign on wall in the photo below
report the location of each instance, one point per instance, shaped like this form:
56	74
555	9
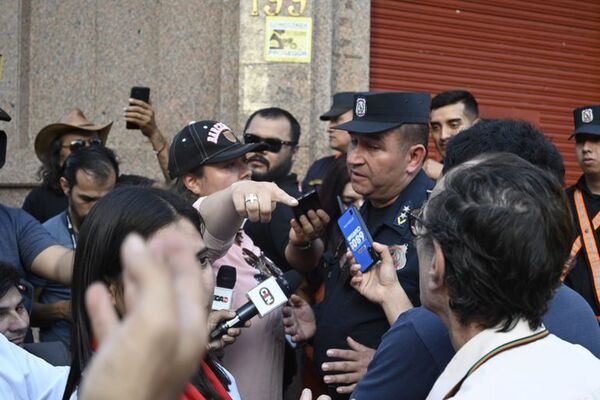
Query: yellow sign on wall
1	67
288	39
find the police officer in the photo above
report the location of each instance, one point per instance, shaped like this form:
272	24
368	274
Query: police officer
584	198
339	113
389	133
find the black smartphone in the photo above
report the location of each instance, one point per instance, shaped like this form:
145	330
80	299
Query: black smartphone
358	238
139	93
308	201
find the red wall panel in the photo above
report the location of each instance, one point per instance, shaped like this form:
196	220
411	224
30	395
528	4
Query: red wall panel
535	60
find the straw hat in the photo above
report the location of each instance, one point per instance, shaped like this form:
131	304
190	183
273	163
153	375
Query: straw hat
75	121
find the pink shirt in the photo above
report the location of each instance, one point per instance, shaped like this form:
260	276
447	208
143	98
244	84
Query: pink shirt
256	357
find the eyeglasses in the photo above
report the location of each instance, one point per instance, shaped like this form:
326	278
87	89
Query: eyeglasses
81	143
416	223
275	145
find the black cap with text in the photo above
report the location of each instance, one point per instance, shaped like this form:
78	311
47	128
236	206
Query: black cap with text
205	142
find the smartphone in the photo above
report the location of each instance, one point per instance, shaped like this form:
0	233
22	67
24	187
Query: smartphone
308	201
358	238
139	93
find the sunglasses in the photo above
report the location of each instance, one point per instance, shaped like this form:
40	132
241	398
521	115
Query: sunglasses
81	143
416	223
275	145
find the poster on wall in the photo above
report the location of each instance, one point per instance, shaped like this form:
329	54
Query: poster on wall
288	39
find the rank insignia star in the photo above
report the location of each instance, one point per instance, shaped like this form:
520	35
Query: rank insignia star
403	216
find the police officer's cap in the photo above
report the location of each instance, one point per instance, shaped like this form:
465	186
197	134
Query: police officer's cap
587	120
379	112
342	102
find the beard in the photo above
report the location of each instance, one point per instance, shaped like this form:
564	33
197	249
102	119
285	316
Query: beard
274	173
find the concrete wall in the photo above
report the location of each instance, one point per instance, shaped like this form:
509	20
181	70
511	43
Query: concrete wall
202	59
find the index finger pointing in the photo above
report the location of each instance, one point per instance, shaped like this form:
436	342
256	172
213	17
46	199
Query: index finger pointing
280	196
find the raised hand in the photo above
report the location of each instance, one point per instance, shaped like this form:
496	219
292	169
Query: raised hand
299	319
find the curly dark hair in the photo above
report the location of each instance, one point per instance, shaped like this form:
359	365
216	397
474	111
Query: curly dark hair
51	170
504	228
511	136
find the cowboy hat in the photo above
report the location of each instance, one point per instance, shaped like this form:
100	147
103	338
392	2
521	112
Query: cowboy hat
75	121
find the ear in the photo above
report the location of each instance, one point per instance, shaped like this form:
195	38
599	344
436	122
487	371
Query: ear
416	154
64	185
193	184
437	273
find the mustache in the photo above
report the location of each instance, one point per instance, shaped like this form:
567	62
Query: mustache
258	158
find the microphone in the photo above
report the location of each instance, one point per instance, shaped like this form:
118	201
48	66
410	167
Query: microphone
223	295
264	298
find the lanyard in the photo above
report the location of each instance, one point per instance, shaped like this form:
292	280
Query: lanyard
506	346
588	238
71	231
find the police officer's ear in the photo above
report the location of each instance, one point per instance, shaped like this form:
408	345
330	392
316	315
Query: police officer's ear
417	153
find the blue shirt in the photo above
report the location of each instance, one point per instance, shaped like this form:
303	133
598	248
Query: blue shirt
417	348
411	356
51	292
22	238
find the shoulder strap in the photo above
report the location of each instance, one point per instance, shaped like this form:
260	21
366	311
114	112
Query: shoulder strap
588	238
500	349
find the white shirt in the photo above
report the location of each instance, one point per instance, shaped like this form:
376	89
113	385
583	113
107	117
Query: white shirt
25	376
548	368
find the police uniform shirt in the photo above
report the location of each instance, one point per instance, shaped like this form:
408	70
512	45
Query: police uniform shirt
316	172
580	277
344	312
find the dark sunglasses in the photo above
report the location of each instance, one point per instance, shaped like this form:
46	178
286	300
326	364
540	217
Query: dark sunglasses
81	143
275	145
416	223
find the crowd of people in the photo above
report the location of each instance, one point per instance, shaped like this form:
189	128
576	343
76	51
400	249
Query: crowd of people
487	284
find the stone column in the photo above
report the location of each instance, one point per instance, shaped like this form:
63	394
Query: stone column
340	54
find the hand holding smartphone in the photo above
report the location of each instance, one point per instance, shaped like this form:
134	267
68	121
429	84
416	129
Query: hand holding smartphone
358	238
308	201
138	93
